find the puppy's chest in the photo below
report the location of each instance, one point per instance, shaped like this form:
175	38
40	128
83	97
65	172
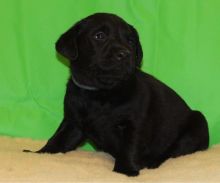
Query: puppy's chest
104	116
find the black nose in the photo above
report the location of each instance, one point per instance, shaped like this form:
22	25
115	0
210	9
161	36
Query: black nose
122	54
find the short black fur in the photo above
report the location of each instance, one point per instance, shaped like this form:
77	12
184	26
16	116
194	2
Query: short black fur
139	120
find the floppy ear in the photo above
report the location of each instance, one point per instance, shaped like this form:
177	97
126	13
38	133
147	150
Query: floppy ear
139	52
67	43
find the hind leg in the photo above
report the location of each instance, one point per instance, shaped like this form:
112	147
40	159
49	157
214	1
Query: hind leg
195	136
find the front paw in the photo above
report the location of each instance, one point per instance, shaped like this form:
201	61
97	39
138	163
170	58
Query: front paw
129	171
46	149
29	151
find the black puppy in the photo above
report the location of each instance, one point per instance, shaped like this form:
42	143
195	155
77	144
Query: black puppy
139	120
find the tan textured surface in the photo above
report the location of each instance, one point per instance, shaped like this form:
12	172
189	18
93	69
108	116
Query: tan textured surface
81	166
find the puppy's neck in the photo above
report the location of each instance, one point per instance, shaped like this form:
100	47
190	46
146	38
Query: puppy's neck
82	86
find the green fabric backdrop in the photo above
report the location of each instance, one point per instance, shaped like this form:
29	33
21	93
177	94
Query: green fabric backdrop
180	38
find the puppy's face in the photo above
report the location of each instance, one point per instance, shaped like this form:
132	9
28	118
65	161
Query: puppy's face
103	50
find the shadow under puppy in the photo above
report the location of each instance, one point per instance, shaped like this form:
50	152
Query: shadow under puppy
125	112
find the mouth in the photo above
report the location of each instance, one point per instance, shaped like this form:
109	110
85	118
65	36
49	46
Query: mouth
107	79
110	75
111	81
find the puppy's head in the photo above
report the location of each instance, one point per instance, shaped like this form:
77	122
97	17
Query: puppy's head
103	50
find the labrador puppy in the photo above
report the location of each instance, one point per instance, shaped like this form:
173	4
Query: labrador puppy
123	111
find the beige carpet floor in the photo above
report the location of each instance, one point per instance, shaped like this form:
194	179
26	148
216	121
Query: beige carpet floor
82	166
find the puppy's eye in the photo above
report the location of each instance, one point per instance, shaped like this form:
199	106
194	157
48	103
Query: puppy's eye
100	36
